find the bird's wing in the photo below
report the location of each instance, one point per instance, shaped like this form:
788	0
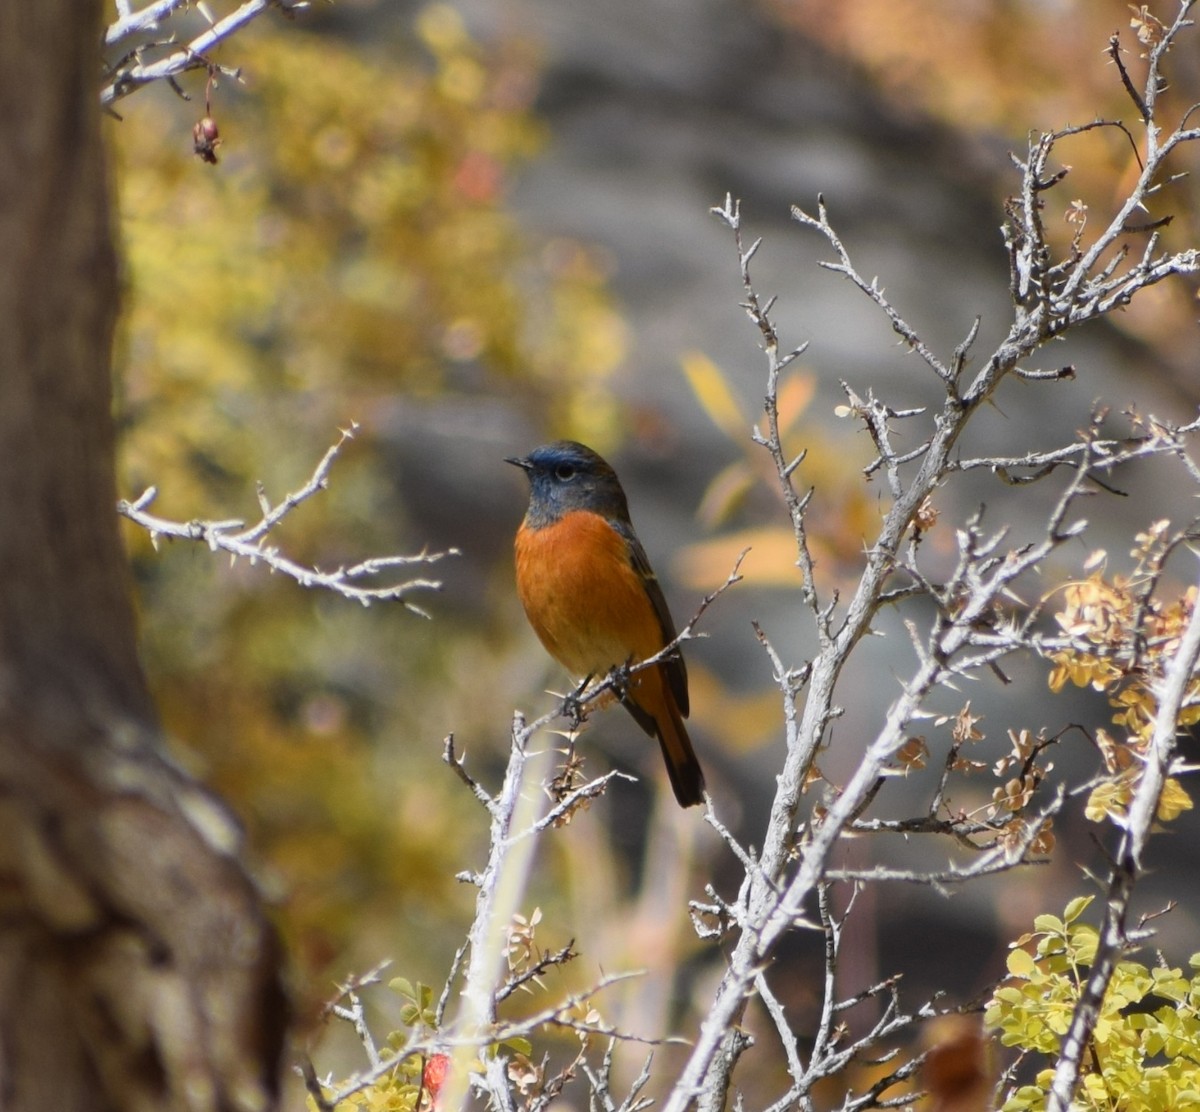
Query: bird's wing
673	666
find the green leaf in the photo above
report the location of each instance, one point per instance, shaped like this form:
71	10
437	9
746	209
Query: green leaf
1021	964
1076	908
1049	924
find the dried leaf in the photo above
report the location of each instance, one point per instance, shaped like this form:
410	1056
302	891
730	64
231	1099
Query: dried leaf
914	753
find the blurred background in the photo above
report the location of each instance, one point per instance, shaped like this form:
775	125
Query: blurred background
473	227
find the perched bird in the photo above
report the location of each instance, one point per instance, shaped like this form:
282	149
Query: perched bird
592	598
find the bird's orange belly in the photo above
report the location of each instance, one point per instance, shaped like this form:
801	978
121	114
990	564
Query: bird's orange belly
583	598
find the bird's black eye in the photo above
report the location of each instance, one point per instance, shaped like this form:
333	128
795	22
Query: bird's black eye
564	472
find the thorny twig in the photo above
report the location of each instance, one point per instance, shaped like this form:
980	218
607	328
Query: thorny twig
536	970
132	71
759	314
248	543
600	1081
478	1025
833	1047
972	628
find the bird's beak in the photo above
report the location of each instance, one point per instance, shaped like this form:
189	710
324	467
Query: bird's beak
518	461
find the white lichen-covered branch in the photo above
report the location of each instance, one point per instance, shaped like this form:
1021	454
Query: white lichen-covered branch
359	582
163	39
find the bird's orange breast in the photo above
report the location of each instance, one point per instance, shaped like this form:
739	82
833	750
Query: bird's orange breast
583	597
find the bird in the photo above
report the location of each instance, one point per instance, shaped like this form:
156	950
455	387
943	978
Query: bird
593	600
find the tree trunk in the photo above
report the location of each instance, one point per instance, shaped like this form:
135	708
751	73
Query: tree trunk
136	968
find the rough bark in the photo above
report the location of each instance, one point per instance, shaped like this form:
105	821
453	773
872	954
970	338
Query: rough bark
136	968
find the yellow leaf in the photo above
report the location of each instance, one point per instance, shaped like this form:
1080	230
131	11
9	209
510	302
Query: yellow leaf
712	392
724	493
1173	801
1107	799
1076	908
1020	963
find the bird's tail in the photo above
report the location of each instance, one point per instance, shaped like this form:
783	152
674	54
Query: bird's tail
683	767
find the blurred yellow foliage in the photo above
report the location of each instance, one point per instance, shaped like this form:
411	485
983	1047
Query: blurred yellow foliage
351	248
352	242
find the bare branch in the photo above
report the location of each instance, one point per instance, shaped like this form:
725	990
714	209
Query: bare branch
248	544
871	288
132	72
974	626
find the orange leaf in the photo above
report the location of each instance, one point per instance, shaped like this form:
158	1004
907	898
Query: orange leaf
793	399
771	561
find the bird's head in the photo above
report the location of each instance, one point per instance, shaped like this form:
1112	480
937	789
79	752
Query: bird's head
566	476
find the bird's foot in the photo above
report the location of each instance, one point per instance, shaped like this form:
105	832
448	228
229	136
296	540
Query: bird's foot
574	708
620	679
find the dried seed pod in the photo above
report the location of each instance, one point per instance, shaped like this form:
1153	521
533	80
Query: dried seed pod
206	138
